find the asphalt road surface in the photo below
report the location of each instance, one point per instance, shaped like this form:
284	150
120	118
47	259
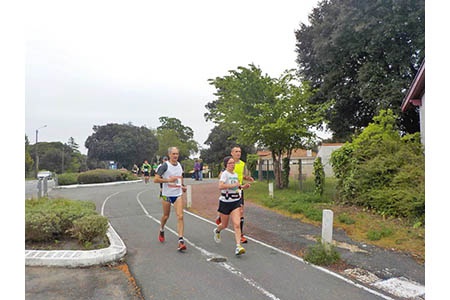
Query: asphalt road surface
162	272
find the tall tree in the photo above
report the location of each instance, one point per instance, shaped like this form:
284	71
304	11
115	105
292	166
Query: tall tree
185	133
173	133
274	113
363	55
124	143
74	146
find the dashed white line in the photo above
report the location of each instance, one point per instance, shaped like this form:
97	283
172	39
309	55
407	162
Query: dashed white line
205	252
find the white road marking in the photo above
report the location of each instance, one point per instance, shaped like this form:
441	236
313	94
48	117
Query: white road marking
300	259
205	252
106	200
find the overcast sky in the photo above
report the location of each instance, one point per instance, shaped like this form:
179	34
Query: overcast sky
93	63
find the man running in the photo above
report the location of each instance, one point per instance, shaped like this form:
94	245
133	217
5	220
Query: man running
146	170
242	172
170	175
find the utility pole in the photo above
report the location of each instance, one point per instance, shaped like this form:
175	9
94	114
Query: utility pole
36	150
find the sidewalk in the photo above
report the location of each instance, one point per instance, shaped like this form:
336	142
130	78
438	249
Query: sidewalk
392	271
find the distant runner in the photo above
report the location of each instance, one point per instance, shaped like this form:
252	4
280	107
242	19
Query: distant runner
242	172
164	160
170	174
146	170
229	203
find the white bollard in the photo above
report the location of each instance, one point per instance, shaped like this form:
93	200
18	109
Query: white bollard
327	227
209	173
271	189
189	196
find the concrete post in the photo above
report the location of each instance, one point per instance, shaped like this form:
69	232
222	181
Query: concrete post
327	227
271	189
45	187
209	174
39	187
189	196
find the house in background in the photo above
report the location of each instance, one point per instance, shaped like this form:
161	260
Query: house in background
324	153
307	158
416	97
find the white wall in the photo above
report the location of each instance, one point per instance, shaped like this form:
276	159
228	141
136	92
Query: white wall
325	154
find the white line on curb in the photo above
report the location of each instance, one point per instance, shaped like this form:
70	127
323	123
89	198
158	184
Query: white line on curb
205	252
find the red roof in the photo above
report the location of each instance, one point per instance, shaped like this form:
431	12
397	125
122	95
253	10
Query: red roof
416	90
295	153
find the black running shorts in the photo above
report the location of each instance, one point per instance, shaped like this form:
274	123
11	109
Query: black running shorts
227	207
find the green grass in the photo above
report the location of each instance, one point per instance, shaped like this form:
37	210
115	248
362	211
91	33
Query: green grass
318	254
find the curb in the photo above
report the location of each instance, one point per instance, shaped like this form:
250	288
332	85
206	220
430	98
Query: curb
94	184
78	258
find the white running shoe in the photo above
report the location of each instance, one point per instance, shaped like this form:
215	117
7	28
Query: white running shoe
216	236
239	250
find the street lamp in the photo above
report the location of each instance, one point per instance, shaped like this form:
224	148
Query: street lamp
36	149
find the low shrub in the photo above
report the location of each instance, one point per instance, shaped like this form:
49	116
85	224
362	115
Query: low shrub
318	254
375	235
46	219
344	218
88	228
67	178
103	175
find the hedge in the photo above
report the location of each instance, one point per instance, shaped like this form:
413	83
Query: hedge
102	175
382	170
67	178
48	219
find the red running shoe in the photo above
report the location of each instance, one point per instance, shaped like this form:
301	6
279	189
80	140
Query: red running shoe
243	239
218	220
161	236
181	245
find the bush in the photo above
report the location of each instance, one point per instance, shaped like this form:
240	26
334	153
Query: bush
319	176
375	235
88	228
46	219
41	225
344	218
383	171
103	175
67	178
318	254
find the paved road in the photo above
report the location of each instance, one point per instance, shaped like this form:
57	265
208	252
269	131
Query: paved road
31	188
163	273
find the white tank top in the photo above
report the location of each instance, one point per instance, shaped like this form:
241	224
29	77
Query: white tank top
173	189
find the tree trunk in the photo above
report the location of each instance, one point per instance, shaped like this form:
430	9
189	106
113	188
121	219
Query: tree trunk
277	169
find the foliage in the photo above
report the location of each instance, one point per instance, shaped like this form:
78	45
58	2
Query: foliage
319	176
100	176
319	254
220	141
169	138
363	55
382	170
29	163
375	235
188	165
125	144
346	219
252	161
46	219
88	228
275	113
67	178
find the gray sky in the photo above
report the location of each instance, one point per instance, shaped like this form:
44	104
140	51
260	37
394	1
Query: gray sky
92	63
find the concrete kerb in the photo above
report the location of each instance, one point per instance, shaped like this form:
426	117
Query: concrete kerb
94	184
78	258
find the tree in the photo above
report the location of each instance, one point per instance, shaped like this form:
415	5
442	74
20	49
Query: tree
29	162
173	133
363	55
125	144
74	146
273	113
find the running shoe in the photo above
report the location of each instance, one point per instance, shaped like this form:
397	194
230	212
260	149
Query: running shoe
161	236
181	245
218	220
239	250
216	236
243	239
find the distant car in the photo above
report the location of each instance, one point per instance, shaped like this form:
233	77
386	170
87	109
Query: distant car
44	174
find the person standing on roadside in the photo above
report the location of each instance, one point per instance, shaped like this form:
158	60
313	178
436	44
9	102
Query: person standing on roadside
146	170
170	175
242	172
229	203
196	169
200	173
